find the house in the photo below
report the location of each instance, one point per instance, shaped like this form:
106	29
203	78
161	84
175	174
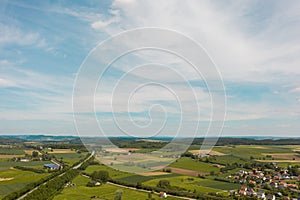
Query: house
243	191
251	192
97	184
52	166
295	186
163	195
274	184
25	160
261	194
282	185
271	197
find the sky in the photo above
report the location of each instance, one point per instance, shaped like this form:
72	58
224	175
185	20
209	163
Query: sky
255	46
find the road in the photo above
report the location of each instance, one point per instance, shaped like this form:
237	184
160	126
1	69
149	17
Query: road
75	167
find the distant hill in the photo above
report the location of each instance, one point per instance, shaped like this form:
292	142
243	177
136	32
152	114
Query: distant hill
129	141
39	138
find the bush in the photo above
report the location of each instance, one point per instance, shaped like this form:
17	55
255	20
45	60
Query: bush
169	170
163	184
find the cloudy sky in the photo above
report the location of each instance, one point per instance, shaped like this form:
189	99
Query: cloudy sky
254	44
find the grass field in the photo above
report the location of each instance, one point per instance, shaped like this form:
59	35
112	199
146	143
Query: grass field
69	158
256	151
188	163
5	163
106	191
228	159
185	182
12	180
112	172
218	184
140	179
11	151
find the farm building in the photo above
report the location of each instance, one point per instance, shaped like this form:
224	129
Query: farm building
52	166
163	195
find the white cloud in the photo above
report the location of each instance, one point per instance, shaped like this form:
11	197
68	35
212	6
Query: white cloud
295	90
6	83
14	35
233	34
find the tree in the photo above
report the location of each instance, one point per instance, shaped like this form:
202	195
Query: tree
118	195
101	176
35	154
163	184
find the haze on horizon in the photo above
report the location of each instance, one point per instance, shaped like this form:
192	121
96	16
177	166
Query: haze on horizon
255	45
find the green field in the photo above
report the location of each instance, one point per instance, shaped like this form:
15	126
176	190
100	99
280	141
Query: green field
13	180
188	163
6	163
112	172
69	158
106	191
246	151
11	151
140	179
186	183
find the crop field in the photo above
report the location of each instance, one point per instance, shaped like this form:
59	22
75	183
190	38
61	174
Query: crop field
284	156
6	163
106	191
61	151
228	159
29	151
11	151
246	151
217	184
196	152
12	180
112	172
69	158
140	179
187	183
188	163
11	156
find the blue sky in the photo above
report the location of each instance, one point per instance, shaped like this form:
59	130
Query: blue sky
255	45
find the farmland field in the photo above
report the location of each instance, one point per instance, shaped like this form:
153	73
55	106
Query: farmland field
112	172
8	163
140	179
246	151
69	158
185	182
12	180
106	191
188	163
11	151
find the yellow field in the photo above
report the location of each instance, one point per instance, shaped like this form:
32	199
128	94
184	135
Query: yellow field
61	151
196	152
10	156
29	151
284	156
153	173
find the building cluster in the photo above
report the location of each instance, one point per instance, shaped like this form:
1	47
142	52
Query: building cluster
256	182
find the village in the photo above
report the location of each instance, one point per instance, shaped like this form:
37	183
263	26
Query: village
267	185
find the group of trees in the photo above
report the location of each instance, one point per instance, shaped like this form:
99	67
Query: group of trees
51	187
100	176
